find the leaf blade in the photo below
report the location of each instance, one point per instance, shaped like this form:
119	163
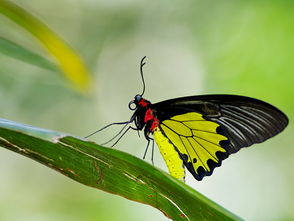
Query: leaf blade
16	51
112	171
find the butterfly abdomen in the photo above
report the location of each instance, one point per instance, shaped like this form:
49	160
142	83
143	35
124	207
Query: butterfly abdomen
166	148
170	155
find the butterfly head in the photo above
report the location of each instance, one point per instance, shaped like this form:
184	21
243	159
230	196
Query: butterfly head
138	98
138	102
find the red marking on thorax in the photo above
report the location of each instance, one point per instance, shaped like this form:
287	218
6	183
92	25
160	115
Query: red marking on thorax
150	117
143	103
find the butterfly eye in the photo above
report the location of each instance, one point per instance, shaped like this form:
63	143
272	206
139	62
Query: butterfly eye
138	98
132	105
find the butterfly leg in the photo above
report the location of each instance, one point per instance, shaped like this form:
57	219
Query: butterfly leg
152	156
103	128
146	149
130	127
115	135
148	138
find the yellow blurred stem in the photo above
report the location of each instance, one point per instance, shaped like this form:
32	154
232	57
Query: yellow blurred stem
71	63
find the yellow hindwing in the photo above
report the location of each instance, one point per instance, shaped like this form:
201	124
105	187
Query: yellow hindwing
195	138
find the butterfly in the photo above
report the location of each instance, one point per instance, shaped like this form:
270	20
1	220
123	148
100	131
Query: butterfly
199	132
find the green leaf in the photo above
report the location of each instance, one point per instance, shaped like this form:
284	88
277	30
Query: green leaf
69	61
110	170
16	51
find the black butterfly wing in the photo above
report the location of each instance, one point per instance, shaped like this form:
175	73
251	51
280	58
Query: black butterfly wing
206	129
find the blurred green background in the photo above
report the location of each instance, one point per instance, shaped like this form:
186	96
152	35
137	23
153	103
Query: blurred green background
192	47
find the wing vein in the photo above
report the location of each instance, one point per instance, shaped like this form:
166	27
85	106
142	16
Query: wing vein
173	130
205	149
197	156
252	125
233	129
186	149
182	121
208	141
205	131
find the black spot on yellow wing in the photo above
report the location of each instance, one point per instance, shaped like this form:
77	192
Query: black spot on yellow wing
198	142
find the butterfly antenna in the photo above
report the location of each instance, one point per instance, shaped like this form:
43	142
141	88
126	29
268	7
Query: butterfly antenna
141	71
